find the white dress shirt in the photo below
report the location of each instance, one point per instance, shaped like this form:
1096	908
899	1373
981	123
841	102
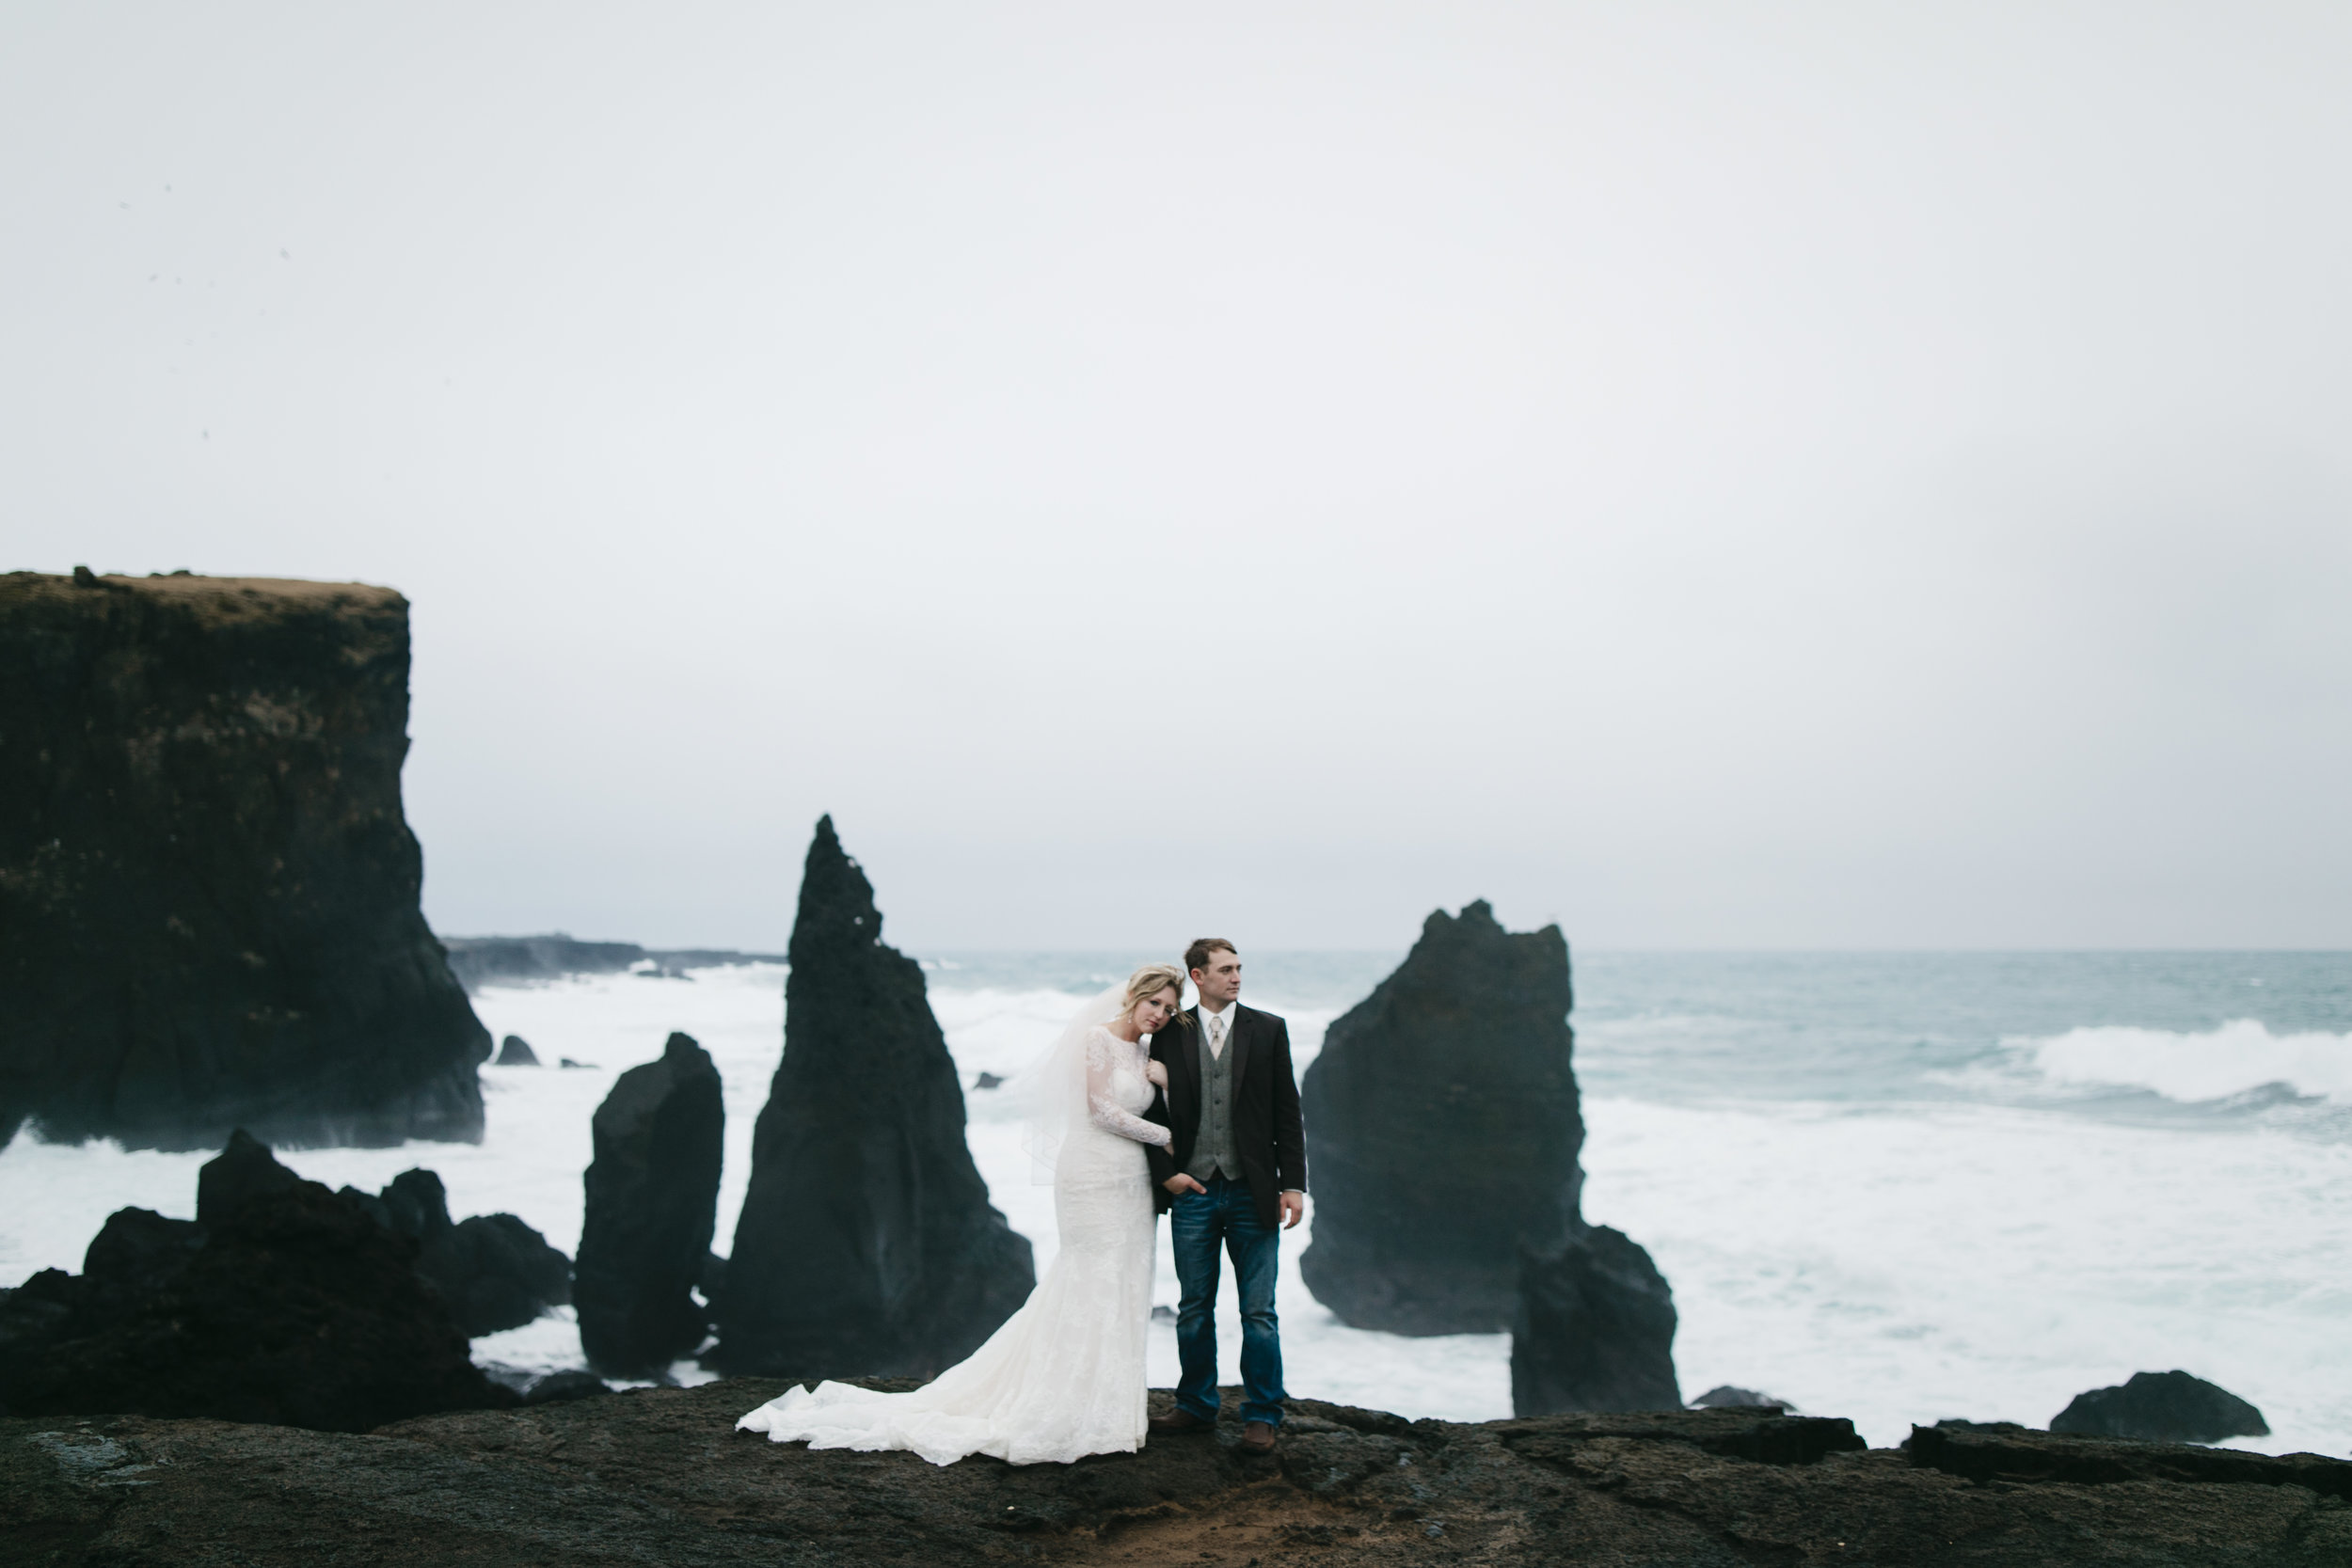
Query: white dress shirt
1219	1025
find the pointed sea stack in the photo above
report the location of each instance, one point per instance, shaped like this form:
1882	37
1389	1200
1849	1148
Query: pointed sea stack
653	1198
1442	1120
866	1245
209	890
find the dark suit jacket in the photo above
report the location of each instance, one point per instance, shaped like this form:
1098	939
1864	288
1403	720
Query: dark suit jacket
1267	1128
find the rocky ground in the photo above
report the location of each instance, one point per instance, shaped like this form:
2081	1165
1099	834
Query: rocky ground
660	1476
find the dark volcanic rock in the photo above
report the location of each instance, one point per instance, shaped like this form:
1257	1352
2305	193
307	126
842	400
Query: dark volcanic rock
654	1476
652	1200
1594	1331
1759	1436
1442	1119
1999	1450
867	1245
477	960
134	1254
483	961
1725	1396
1442	1116
241	1172
493	1271
298	1309
209	889
514	1050
2162	1408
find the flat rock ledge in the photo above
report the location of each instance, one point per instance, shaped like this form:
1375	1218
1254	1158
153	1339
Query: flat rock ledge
660	1476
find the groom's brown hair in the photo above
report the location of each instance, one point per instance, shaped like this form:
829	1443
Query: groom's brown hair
1197	956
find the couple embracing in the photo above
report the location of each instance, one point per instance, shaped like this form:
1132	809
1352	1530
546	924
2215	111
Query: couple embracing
1141	1106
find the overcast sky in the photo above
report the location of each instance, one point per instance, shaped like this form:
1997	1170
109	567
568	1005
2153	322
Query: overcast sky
1711	475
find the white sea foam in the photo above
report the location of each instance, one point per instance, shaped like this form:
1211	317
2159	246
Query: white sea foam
1894	1263
2242	1056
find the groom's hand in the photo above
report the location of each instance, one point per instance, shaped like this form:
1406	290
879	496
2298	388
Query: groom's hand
1293	1210
1180	1184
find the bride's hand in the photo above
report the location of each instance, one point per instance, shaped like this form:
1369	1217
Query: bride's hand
1156	1073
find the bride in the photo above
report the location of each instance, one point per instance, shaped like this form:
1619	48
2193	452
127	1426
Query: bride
1063	1377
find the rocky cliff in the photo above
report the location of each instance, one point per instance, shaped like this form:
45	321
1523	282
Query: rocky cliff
657	1475
209	891
652	1200
867	1245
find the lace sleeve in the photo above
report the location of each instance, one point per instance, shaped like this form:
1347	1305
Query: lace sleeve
1103	1107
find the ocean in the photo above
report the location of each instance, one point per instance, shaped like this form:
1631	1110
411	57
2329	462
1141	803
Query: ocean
1895	1187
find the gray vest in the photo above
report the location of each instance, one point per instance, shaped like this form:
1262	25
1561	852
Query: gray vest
1213	1152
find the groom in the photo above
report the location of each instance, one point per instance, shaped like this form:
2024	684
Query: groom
1236	1168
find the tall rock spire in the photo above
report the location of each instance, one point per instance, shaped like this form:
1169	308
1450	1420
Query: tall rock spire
866	1245
652	1196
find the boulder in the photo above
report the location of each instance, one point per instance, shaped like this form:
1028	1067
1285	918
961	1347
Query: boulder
210	891
514	1050
296	1309
1443	1130
495	1273
867	1245
1595	1329
652	1203
2162	1408
494	1270
1725	1396
241	1171
134	1254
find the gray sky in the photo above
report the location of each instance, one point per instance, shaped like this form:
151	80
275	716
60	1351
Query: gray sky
1807	475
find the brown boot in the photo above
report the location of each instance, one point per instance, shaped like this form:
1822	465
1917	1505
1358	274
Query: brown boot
1258	1437
1179	1420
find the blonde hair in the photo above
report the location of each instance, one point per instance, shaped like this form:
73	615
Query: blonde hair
1150	981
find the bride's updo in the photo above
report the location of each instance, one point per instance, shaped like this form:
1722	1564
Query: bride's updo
1149	981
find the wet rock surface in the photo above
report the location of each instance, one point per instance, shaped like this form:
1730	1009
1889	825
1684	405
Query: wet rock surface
867	1245
2162	1408
652	1203
658	1475
209	889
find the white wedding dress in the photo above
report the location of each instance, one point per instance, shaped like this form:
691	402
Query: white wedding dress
1062	1377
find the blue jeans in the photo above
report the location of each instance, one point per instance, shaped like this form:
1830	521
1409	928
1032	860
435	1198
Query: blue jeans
1196	1223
